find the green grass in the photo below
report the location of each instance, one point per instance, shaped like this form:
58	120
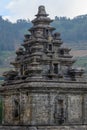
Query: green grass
5	58
3	69
81	62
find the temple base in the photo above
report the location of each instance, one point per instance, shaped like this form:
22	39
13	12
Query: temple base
79	127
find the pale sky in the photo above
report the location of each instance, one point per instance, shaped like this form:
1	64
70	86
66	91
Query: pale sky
26	9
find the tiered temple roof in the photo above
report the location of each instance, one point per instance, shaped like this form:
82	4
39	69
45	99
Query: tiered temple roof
42	54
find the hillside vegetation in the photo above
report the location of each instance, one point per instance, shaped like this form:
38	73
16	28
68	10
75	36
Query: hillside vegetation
12	34
73	32
72	29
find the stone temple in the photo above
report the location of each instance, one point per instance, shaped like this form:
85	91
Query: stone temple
44	91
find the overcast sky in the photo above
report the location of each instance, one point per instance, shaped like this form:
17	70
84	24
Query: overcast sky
26	9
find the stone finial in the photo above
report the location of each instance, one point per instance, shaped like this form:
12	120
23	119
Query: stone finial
41	10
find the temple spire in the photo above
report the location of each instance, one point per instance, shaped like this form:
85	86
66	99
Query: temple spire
41	11
43	57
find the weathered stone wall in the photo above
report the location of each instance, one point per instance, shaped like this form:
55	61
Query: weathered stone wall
26	108
74	108
84	127
85	109
34	109
43	108
8	108
40	108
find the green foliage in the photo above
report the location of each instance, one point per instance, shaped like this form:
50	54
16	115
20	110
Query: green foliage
5	58
72	31
12	34
81	62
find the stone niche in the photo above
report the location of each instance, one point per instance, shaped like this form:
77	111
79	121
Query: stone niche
75	109
11	112
28	108
60	109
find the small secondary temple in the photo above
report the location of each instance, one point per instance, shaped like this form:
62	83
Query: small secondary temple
44	91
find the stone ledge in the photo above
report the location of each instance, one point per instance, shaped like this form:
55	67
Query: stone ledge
79	127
